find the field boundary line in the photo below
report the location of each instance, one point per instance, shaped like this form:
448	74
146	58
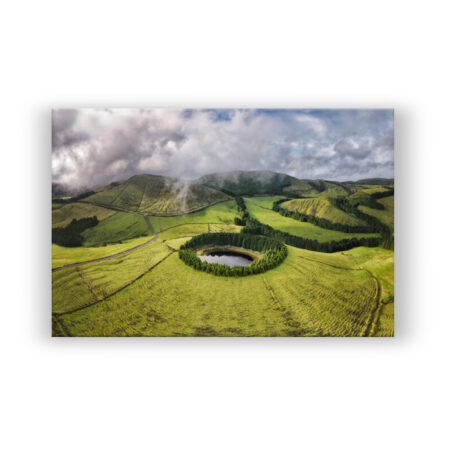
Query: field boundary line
143	194
372	320
149	225
86	282
121	191
61	326
70	311
378	309
331	265
193	223
55	269
201	208
285	313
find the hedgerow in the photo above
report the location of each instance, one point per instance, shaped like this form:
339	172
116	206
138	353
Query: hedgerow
274	253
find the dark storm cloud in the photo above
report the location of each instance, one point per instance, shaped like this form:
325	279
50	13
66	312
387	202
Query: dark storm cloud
95	147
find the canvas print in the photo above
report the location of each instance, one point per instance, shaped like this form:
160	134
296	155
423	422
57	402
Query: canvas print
223	222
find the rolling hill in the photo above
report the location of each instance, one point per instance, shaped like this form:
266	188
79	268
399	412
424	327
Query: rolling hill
315	188
126	278
253	182
157	195
322	208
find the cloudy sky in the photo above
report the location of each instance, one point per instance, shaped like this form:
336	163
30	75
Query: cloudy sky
92	147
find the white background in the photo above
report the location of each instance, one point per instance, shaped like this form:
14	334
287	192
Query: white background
226	393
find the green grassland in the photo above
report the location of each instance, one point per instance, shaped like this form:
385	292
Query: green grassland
224	212
300	297
157	195
151	292
63	215
322	208
75	287
380	262
293	226
192	229
62	256
365	190
310	188
387	215
116	228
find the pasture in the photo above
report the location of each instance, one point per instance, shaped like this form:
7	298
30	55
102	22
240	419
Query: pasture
292	226
224	213
302	296
322	208
116	228
151	292
62	215
387	215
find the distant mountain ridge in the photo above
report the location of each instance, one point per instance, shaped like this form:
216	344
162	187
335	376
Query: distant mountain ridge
160	195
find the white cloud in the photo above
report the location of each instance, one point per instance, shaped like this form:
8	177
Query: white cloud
93	147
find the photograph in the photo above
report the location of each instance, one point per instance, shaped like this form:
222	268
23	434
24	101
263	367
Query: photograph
224	225
222	222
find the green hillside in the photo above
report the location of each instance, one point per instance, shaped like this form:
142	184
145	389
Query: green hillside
292	226
63	215
248	182
315	188
150	291
224	212
387	215
156	195
120	226
322	208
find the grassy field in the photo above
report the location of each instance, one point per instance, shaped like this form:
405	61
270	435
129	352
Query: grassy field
116	228
300	297
151	292
224	212
315	189
192	229
387	215
63	215
69	255
365	190
150	194
292	226
322	208
75	287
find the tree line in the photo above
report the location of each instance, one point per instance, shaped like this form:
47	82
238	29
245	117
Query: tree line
253	226
375	225
243	214
70	236
274	253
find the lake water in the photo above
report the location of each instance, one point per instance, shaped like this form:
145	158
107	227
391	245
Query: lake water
229	258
